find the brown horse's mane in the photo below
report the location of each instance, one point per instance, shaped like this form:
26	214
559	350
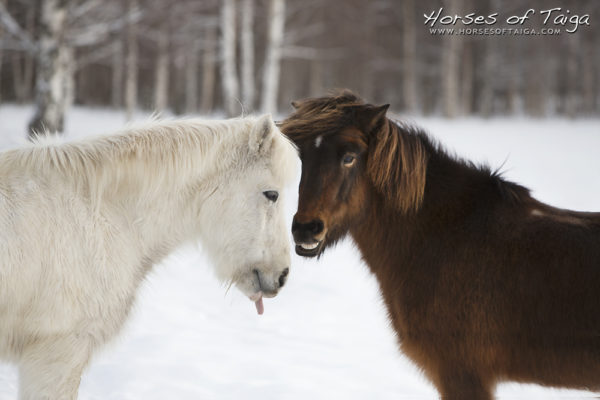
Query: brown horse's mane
398	154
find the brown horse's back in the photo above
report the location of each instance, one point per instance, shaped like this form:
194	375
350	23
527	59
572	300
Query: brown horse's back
552	273
509	293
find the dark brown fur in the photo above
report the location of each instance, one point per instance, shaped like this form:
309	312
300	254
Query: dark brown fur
482	282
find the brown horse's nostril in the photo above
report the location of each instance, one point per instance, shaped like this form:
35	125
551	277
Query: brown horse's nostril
315	226
283	276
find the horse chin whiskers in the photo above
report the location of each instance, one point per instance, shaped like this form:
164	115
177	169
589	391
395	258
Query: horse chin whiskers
229	285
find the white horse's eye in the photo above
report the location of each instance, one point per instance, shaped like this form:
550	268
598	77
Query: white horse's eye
272	195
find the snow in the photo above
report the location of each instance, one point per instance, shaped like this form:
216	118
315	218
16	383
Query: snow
326	335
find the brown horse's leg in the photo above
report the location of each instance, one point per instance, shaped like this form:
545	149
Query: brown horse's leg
462	385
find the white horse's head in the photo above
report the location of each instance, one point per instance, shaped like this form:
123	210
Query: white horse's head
247	236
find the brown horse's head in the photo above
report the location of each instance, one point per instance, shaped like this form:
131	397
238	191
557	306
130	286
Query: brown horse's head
349	152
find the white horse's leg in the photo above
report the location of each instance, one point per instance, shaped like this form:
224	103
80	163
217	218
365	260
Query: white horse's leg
51	368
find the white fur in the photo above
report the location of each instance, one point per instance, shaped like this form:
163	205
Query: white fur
82	223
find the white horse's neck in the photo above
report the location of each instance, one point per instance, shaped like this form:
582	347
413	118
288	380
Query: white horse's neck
150	179
164	177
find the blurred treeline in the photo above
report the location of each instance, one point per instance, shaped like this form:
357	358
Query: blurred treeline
234	56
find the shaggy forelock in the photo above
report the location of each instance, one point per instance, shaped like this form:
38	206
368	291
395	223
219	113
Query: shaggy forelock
397	159
322	116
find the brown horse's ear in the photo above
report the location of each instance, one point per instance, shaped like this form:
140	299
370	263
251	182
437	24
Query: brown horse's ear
368	116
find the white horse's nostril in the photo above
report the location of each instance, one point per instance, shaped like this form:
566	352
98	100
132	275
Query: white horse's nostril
283	276
257	278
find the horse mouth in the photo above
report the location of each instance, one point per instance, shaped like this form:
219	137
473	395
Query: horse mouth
308	249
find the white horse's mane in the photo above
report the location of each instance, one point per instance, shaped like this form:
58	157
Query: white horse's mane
152	154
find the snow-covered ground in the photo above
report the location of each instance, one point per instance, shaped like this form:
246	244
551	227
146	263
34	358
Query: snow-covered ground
326	335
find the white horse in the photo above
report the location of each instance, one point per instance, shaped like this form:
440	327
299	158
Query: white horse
82	223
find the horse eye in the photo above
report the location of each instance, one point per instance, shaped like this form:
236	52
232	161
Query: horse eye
272	195
348	160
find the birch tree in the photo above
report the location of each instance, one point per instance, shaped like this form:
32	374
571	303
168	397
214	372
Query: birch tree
228	59
22	62
131	65
587	77
272	65
466	87
117	73
191	78
54	69
209	63
161	82
247	54
450	67
573	76
2	2
409	56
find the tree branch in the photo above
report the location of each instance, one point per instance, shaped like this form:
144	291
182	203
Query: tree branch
93	34
13	28
312	53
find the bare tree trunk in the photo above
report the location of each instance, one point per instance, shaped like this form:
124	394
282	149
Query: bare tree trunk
17	72
209	70
514	80
466	76
131	65
28	60
467	80
272	65
161	82
572	92
191	78
22	64
248	88
409	56
1	57
2	2
588	77
117	74
54	83
534	101
316	77
450	67
367	83
488	87
228	70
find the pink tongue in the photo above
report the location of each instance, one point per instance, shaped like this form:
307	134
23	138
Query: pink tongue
260	308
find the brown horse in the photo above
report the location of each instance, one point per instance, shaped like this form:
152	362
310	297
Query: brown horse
482	282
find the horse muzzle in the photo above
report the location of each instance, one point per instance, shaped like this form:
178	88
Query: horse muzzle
269	285
309	236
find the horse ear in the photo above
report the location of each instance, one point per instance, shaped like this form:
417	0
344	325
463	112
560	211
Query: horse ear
261	136
368	116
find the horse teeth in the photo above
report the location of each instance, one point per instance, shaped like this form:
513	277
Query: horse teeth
309	246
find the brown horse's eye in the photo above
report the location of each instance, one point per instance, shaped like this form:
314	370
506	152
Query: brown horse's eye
349	160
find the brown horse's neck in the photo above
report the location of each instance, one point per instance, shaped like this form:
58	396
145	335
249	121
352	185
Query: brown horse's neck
454	191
